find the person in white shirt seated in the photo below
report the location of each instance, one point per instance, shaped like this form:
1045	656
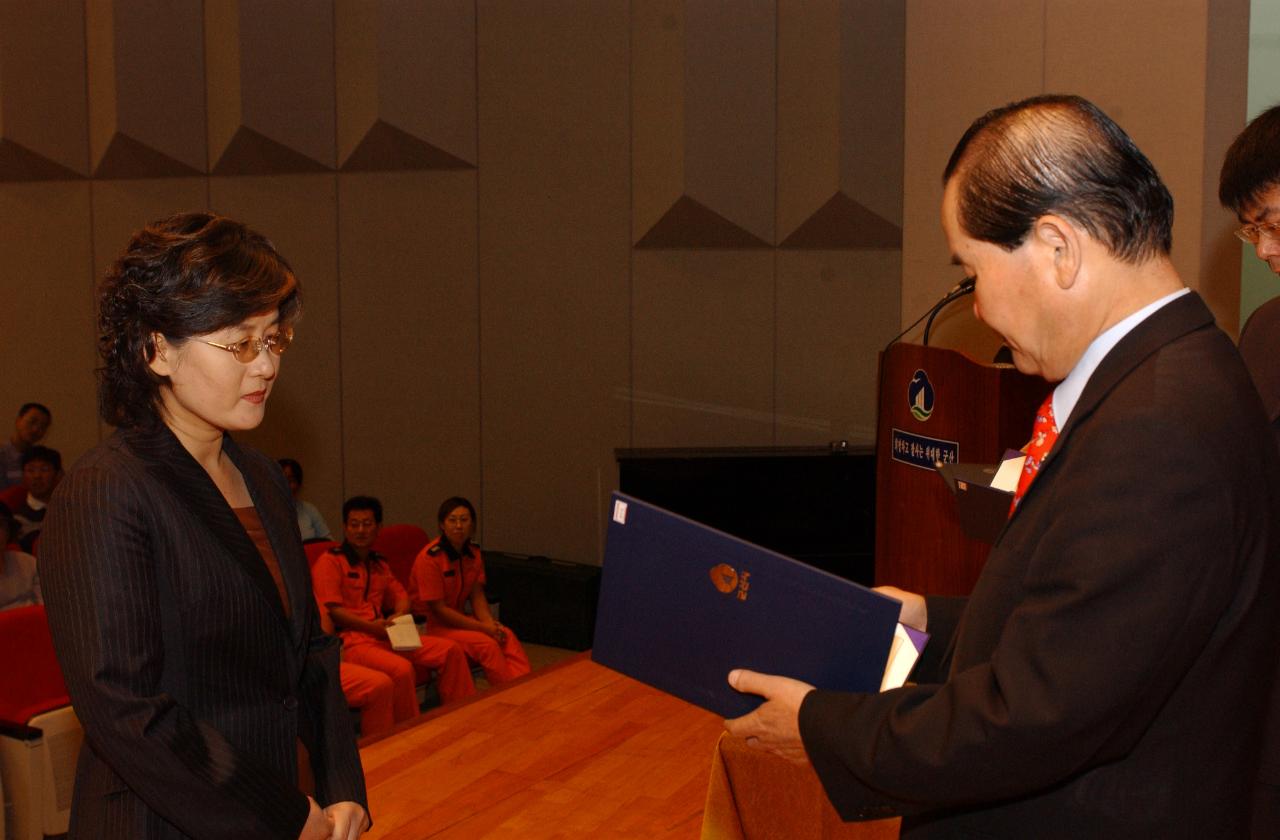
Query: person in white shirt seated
19	582
310	522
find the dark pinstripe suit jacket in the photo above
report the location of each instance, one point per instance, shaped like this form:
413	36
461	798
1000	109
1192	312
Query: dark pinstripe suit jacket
192	685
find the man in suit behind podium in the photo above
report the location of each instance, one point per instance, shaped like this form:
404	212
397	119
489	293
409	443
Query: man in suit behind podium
1249	185
1103	678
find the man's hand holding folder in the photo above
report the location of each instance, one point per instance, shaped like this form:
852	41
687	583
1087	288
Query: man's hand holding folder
775	724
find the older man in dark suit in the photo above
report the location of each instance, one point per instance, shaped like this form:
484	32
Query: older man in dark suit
1102	679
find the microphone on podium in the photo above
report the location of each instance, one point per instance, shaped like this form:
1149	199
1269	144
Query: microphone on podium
959	290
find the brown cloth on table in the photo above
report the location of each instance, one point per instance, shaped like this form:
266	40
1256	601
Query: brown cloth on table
756	795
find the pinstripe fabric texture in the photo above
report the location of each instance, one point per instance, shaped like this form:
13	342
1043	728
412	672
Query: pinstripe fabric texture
191	684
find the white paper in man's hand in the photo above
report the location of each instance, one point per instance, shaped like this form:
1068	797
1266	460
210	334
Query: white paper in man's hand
403	634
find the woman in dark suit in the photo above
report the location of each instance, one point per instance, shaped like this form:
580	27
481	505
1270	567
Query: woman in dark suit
176	585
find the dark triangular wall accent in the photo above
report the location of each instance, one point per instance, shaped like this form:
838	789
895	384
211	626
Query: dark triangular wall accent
843	223
127	158
250	153
691	224
18	163
386	148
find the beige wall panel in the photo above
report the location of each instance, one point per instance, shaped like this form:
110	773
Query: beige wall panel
1157	87
1226	106
836	312
42	90
47	339
122	207
223	101
270	78
872	70
809	103
555	251
840	100
356	70
298	213
657	111
963	59
729	124
146	88
406	71
703	357
703	91
1152	85
410	339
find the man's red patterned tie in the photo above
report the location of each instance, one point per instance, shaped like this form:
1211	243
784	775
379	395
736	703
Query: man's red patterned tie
1043	434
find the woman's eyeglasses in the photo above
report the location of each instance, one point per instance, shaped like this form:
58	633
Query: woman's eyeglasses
247	349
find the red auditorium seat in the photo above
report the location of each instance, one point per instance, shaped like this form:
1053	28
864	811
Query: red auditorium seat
315	549
13	496
40	737
400	544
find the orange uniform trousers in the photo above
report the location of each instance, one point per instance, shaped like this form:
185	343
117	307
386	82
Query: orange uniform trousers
501	663
406	668
373	693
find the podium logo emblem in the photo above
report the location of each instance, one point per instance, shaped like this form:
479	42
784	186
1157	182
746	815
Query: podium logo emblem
920	396
724	578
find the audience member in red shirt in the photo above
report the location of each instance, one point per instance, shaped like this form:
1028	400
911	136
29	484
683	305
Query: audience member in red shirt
447	578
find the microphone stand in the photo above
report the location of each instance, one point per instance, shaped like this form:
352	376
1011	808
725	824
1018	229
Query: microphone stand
964	287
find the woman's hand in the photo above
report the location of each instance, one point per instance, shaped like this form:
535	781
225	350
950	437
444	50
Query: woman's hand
496	632
348	819
318	826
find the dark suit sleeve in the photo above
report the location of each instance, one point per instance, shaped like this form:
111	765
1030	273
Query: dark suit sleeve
335	760
935	661
1126	576
103	598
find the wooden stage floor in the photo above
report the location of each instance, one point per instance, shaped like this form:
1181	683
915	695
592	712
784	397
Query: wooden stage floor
572	751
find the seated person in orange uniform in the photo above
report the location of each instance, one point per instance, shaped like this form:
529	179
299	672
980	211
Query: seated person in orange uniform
447	574
370	691
354	582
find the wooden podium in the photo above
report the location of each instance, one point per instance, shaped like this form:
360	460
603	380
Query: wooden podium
938	405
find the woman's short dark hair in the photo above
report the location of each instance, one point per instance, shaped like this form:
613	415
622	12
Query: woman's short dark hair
1252	164
1063	155
452	503
190	274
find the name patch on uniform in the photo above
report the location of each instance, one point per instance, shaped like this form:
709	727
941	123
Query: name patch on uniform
923	452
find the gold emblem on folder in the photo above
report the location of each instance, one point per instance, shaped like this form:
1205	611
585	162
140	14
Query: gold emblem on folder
724	578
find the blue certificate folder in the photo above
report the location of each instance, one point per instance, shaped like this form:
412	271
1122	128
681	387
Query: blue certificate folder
682	604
